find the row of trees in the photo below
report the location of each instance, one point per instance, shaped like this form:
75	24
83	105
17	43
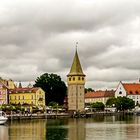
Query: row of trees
121	103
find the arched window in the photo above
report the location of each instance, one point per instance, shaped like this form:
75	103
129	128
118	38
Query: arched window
131	92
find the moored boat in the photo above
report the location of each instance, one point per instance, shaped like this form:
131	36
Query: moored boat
3	117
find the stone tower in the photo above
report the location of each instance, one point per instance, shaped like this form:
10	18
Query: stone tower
76	86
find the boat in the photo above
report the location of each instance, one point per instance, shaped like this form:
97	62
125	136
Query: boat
3	117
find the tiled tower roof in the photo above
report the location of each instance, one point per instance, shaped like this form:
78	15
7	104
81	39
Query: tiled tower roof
76	68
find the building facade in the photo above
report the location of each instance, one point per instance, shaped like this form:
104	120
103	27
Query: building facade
130	90
30	96
76	86
3	93
98	96
5	85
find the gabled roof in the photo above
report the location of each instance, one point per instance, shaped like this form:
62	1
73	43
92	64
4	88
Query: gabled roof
132	88
100	94
76	68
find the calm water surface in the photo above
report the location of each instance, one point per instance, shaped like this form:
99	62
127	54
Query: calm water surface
98	128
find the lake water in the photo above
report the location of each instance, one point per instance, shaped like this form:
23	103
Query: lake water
98	128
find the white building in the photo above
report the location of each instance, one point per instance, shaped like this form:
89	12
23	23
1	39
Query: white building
130	90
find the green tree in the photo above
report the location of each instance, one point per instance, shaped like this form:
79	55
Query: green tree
55	89
111	101
124	103
121	103
53	104
98	106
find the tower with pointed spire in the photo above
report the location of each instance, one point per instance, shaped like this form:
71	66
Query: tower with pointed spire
76	86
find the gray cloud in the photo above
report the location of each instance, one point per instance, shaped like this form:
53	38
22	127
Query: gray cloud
38	36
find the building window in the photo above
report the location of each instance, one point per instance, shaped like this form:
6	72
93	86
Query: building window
23	97
79	78
15	97
73	78
120	92
83	78
32	97
19	97
131	92
137	92
69	79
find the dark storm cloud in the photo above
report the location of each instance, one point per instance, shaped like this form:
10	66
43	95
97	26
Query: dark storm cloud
38	36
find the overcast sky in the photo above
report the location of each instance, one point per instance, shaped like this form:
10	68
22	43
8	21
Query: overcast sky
38	36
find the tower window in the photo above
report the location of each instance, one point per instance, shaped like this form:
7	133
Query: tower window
79	78
73	78
69	79
83	78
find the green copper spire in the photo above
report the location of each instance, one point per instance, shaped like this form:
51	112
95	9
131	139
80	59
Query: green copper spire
76	68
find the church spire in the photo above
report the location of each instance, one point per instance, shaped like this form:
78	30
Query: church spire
76	68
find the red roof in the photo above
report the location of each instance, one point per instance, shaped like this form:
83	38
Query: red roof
132	88
21	90
99	94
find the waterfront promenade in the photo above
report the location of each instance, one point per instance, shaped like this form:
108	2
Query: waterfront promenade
65	115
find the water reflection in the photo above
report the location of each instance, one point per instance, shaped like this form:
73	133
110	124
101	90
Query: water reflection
101	128
27	130
3	132
76	129
56	129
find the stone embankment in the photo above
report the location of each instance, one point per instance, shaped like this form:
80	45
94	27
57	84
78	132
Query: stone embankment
64	115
